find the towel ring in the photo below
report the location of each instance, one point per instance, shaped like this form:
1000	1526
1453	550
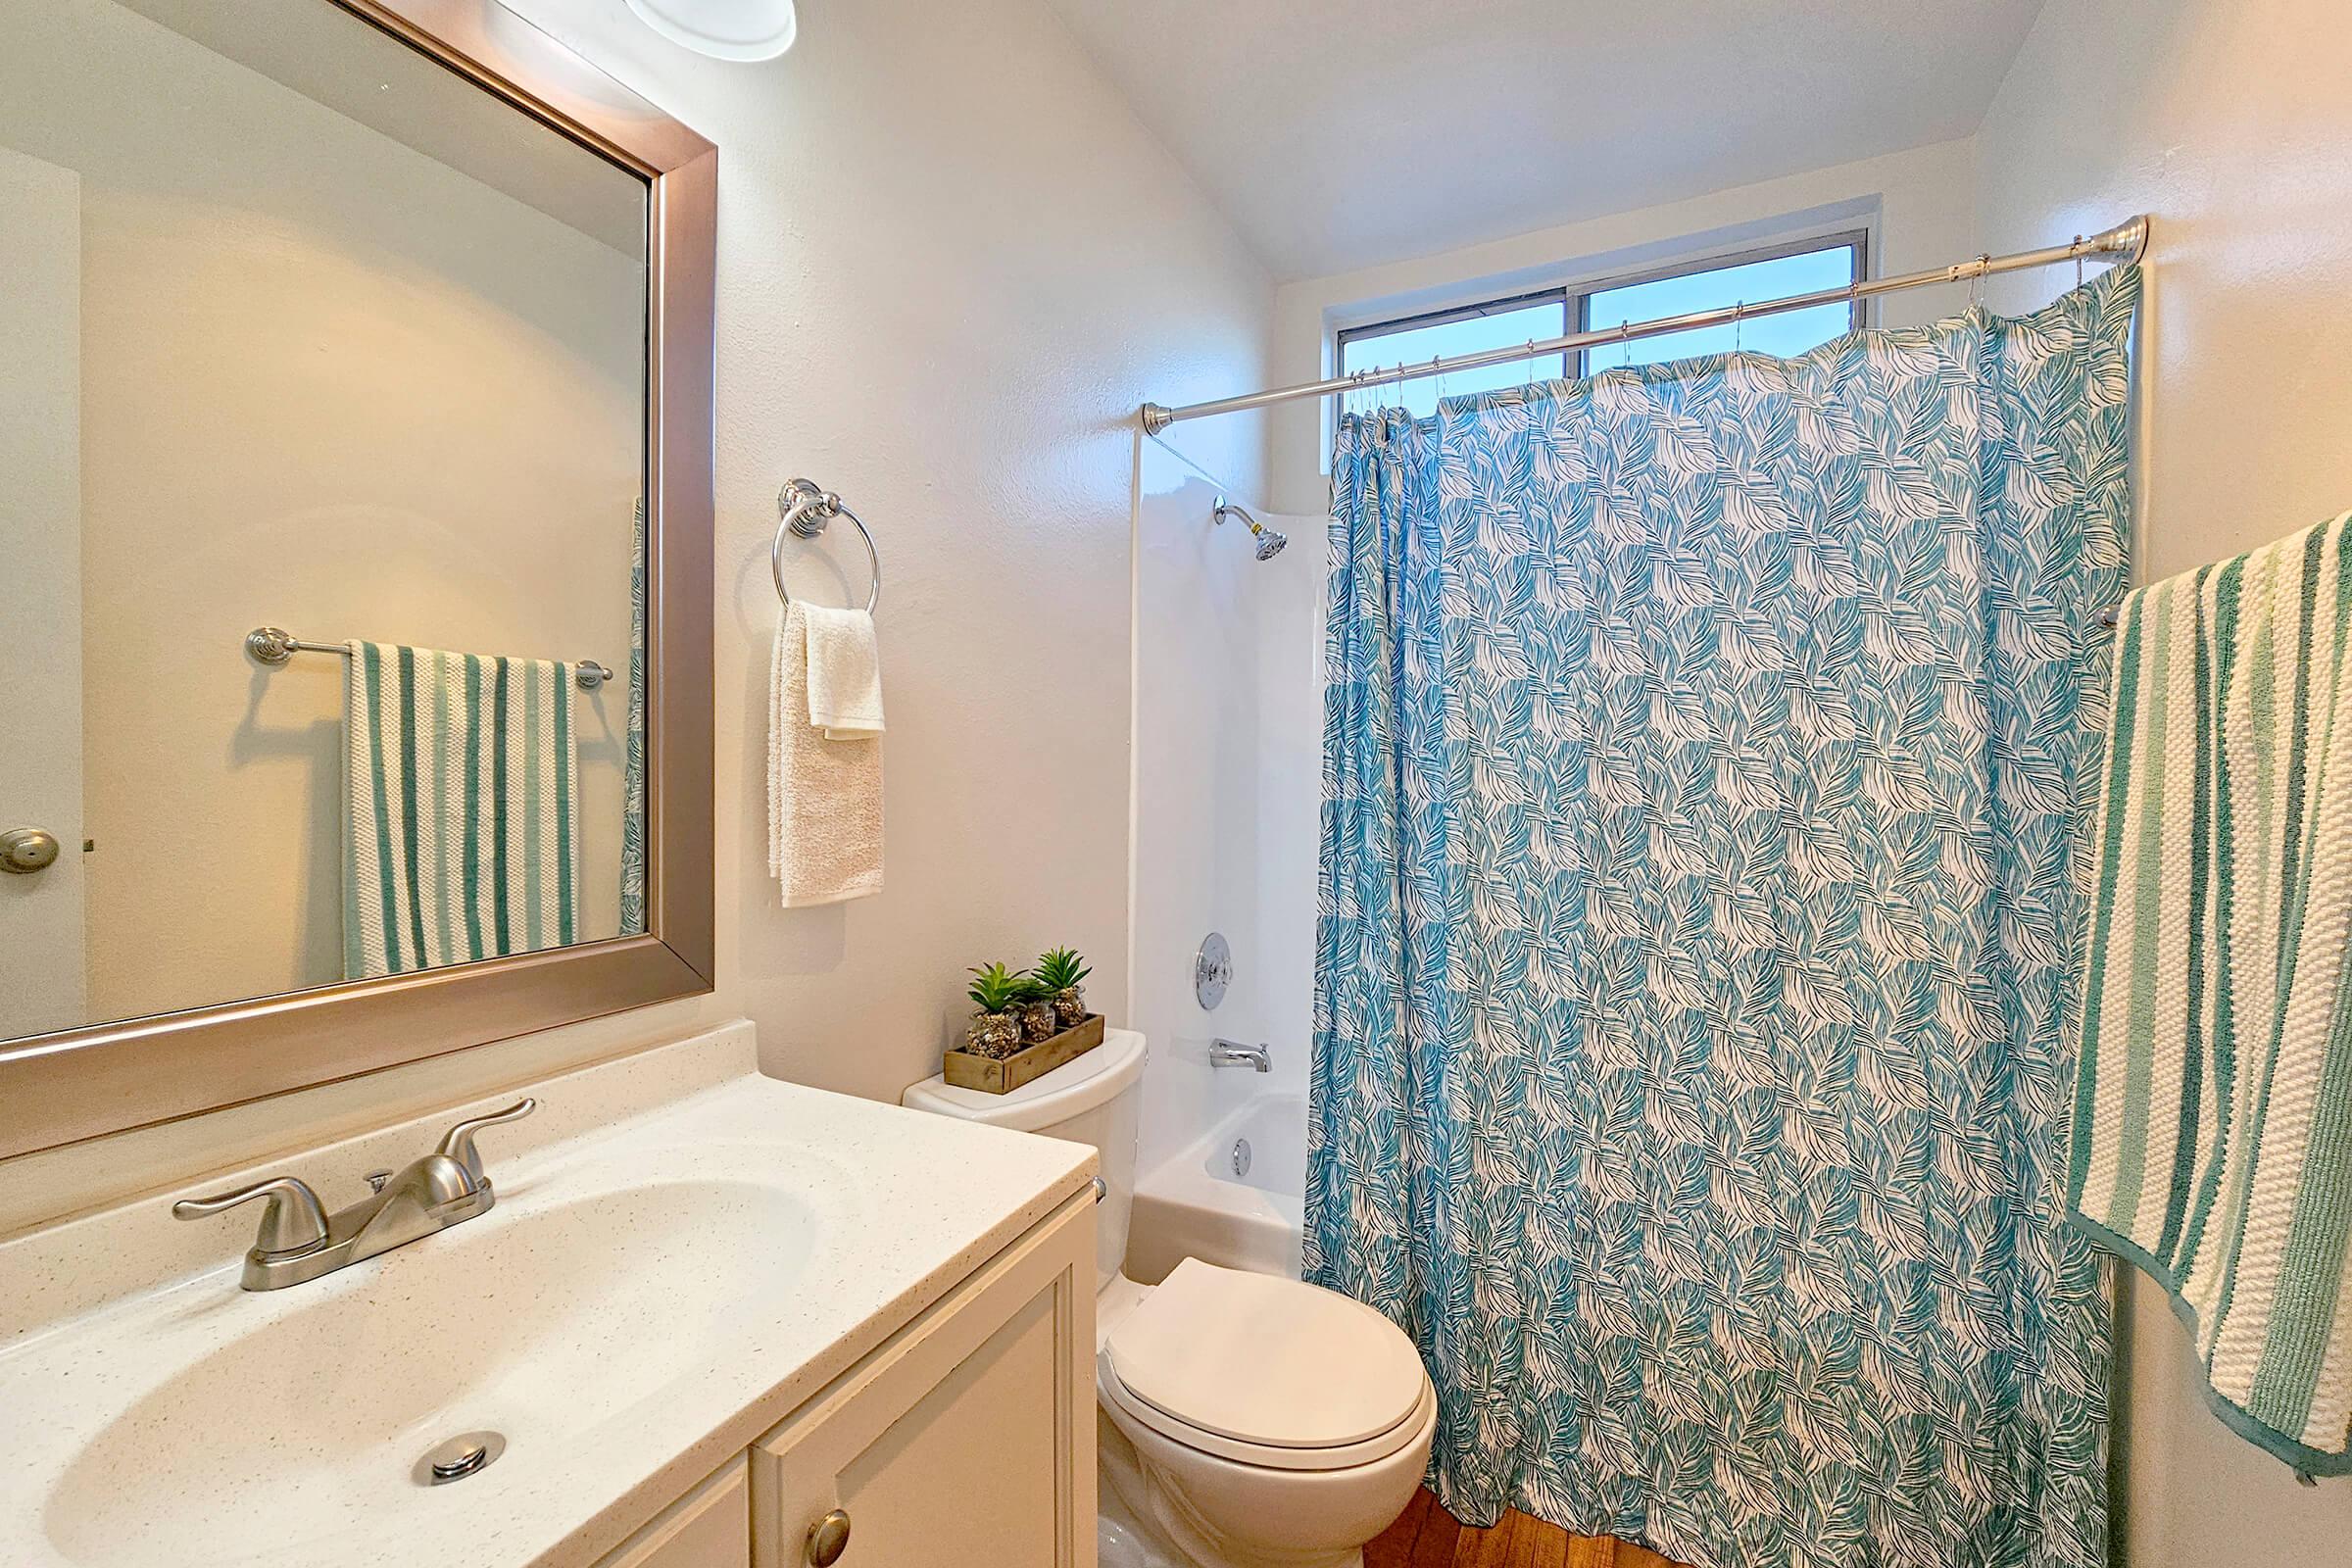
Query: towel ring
806	507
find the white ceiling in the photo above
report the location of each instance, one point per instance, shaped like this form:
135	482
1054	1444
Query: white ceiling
1341	134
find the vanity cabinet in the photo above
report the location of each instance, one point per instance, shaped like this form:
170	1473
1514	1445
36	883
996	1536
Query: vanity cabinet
968	1437
711	1527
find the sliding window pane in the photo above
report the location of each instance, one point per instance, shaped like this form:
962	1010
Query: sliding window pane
1789	333
1467	334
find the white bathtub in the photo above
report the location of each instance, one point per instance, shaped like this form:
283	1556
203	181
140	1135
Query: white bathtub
1193	1204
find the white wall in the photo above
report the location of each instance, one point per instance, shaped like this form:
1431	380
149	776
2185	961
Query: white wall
950	262
2226	123
326	383
1916	204
1228	754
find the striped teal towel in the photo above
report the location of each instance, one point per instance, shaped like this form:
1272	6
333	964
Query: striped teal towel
2212	1139
463	837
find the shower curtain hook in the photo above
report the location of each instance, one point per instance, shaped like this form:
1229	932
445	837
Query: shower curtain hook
1625	338
1738	324
2078	261
1976	280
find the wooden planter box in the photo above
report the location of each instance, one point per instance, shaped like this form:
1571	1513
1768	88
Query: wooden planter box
1001	1075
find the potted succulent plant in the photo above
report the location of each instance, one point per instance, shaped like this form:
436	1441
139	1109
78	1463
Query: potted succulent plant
1059	974
998	992
1030	1021
1036	1009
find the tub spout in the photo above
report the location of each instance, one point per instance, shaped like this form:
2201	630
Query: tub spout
1233	1054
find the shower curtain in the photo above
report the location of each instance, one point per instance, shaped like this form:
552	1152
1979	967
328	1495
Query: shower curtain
1705	746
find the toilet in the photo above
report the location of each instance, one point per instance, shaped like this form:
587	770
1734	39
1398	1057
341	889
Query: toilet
1244	1420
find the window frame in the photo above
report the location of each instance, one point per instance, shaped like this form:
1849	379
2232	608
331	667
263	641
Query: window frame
1559	294
1576	298
1855	240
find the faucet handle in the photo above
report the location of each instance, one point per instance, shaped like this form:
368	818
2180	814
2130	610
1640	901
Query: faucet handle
293	1224
458	1143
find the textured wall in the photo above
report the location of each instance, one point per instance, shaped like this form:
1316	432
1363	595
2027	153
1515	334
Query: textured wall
2225	121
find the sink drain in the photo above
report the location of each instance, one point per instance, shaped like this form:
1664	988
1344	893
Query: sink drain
1240	1156
457	1459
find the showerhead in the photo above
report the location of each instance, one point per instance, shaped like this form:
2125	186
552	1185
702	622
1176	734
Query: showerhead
1269	543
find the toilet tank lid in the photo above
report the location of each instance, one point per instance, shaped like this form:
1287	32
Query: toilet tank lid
1070	1090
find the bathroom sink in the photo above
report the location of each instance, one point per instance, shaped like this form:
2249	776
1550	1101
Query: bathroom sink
682	1252
507	1328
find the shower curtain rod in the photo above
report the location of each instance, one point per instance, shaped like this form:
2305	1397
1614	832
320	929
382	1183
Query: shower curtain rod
2127	241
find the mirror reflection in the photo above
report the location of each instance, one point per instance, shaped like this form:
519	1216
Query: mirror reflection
321	411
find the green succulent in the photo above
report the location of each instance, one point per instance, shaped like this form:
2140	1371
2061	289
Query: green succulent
996	989
1061	969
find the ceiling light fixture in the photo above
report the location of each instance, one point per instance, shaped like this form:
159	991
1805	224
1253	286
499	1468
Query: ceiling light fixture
723	29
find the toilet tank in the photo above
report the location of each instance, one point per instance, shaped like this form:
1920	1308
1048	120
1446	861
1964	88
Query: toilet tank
1095	1100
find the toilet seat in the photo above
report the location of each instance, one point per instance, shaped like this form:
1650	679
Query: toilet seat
1178	1430
1264	1371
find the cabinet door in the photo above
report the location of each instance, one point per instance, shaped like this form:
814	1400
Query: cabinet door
711	1527
968	1438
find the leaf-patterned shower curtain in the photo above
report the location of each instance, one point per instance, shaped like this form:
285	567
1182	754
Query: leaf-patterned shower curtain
1705	747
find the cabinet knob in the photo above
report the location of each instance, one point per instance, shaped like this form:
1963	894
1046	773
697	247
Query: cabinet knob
828	1538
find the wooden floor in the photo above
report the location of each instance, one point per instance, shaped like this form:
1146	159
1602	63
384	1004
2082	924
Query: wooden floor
1426	1536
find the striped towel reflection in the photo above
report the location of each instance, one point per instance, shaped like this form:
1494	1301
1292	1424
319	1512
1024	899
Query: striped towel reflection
2213	1112
462	840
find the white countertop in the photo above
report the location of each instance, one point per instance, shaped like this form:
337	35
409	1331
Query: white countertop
682	1252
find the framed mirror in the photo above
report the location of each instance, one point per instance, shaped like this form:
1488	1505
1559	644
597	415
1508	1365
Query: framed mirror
357	412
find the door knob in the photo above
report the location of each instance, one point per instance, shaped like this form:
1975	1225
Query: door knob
26	849
828	1538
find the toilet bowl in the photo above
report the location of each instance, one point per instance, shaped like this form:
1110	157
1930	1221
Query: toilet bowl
1256	1421
1244	1420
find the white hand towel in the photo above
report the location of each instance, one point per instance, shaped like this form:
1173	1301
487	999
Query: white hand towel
824	797
845	673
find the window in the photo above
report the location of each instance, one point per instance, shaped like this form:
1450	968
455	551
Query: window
1806	267
1497	323
1774	274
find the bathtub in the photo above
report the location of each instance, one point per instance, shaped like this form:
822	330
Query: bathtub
1196	1205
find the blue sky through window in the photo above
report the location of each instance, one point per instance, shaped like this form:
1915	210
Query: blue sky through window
1471	333
1709	288
1791	332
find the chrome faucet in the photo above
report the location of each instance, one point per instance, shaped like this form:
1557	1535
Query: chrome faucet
299	1241
1233	1054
